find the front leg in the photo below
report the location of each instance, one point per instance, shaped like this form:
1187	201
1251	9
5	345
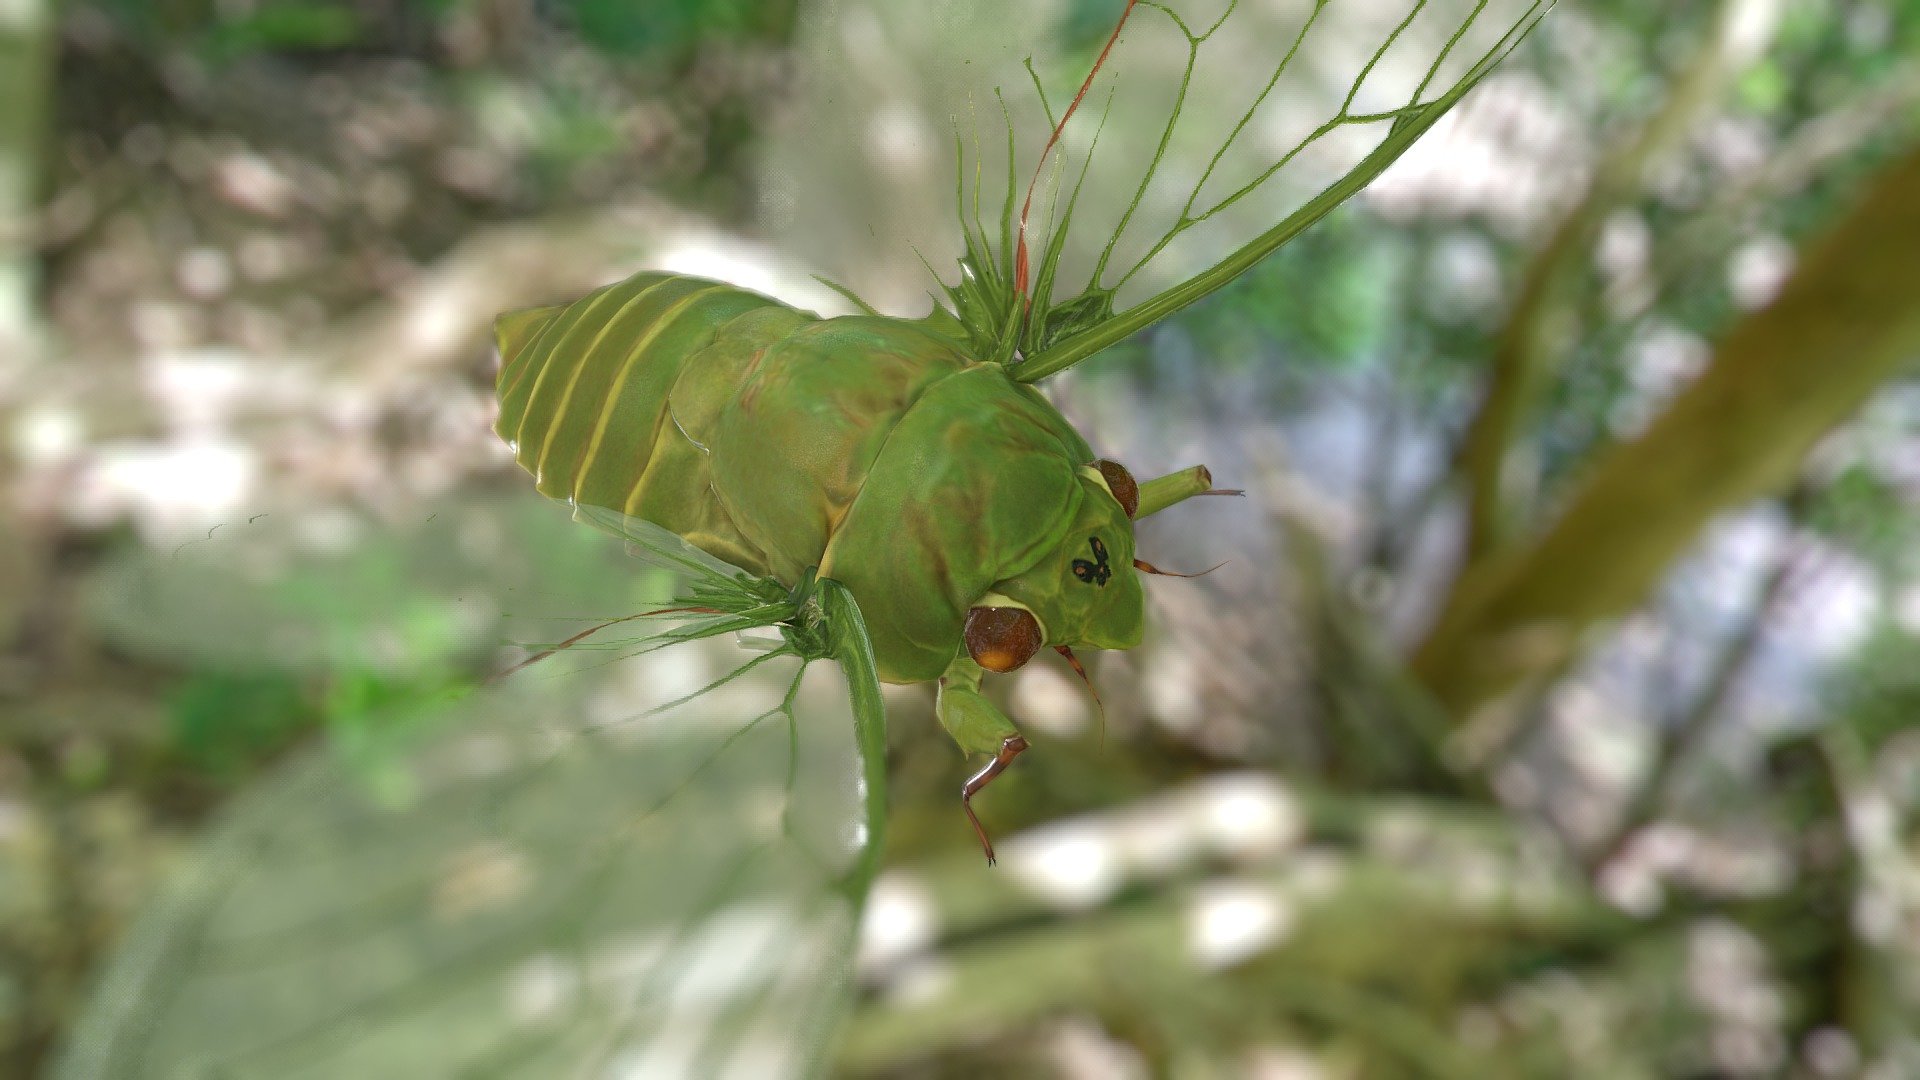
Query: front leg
1003	757
979	728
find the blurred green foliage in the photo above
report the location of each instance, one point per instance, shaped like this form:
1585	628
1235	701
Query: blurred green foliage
289	25
656	31
230	30
1864	511
1325	299
227	725
673	28
1085	25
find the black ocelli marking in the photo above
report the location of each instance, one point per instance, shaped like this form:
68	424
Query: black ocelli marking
1096	572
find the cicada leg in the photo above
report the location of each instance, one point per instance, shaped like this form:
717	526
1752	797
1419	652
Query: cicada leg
1002	758
979	728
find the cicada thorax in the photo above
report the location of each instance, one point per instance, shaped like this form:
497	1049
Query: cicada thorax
872	449
982	486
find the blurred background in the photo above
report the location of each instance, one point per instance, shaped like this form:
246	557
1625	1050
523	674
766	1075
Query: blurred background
1551	715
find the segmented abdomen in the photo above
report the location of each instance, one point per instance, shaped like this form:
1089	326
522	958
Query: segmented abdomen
583	386
603	399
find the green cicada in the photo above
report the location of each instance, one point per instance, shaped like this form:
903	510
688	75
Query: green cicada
970	522
909	460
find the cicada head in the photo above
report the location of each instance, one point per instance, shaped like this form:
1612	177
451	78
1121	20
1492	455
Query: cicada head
1084	591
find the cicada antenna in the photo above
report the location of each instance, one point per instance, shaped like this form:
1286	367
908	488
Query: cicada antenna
1146	567
1099	707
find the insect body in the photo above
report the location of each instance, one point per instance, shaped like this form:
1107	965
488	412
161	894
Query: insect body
970	522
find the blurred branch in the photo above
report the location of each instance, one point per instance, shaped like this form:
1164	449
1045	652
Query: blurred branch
1536	329
1498	735
1385	729
1683	734
1782	377
26	69
1393	907
1385	526
1876	836
1882	882
26	66
1001	985
1838	930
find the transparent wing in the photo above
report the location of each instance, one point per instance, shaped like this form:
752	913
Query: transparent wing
649	865
1215	131
656	546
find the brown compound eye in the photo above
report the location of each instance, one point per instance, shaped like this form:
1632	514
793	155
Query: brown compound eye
1121	482
1000	639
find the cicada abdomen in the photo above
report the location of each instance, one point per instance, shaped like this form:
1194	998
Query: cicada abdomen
588	397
